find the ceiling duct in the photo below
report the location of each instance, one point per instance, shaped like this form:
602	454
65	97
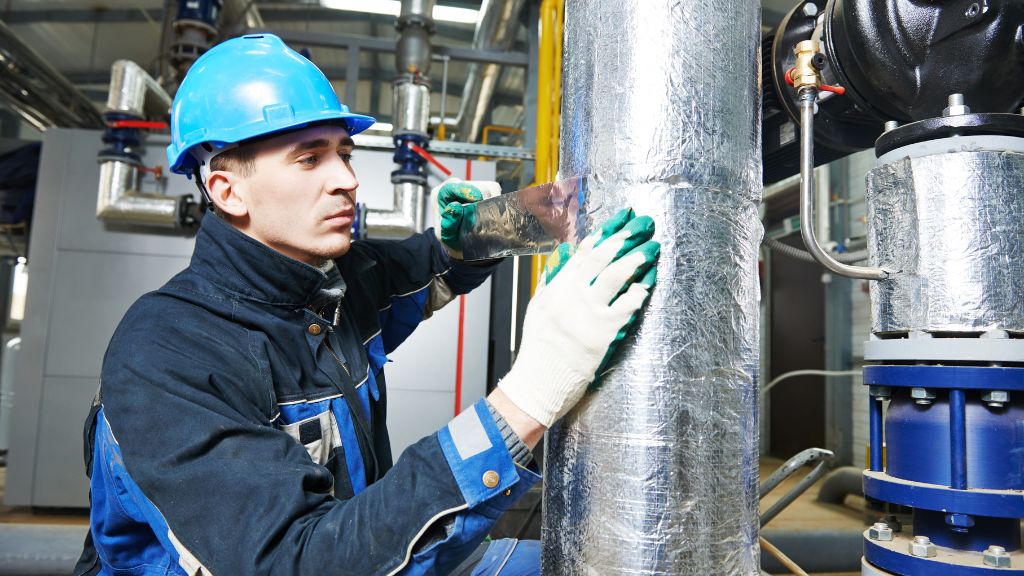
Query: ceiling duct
495	31
40	94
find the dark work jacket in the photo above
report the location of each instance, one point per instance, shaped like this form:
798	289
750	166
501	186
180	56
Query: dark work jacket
237	431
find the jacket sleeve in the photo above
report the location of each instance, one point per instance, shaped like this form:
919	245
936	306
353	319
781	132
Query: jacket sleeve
231	494
412	278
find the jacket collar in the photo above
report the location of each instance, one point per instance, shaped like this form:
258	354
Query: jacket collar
237	263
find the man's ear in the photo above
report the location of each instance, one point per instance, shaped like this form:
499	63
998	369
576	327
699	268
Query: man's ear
226	193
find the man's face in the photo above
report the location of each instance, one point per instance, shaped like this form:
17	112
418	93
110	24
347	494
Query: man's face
300	196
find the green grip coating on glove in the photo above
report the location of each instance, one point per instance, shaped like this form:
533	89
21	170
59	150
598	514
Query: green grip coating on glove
455	201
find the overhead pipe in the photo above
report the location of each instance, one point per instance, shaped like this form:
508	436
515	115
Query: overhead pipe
240	15
411	121
40	94
134	96
495	31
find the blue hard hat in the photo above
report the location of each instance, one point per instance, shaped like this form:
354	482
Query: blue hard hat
248	87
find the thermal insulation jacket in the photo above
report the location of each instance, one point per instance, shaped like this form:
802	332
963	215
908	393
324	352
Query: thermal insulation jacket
951	228
656	471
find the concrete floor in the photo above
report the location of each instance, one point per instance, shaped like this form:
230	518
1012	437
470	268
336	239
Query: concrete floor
804	514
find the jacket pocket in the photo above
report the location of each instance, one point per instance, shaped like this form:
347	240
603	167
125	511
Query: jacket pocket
318	434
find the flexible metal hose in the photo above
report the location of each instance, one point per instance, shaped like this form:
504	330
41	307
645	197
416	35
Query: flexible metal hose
794	252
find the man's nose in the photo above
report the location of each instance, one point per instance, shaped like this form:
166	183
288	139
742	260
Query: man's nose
342	177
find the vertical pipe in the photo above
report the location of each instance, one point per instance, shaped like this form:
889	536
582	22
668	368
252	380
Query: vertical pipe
875	412
656	471
957	440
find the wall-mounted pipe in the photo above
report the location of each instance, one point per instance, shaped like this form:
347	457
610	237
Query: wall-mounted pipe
495	30
134	95
40	94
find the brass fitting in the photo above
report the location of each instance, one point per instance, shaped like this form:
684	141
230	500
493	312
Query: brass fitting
804	73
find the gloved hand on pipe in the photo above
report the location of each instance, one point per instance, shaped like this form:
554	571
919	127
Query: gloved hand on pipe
455	199
582	310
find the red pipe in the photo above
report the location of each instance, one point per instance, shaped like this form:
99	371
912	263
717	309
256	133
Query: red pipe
462	303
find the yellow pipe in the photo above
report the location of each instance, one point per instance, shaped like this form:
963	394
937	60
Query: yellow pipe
556	87
544	72
542	149
499	128
440	131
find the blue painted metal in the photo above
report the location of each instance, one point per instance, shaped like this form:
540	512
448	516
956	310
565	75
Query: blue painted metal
121	142
958	462
411	166
993	503
963	377
957	440
205	11
982	533
875	410
907	565
917	441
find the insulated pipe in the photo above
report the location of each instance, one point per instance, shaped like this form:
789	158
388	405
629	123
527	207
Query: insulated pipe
134	94
495	31
808	96
411	122
656	471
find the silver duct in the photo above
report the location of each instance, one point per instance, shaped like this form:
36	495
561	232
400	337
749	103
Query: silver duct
495	30
40	94
656	472
133	92
411	118
952	225
240	15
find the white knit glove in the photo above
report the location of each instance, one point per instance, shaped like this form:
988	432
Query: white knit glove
583	309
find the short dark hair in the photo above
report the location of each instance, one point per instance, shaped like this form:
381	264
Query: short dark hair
241	160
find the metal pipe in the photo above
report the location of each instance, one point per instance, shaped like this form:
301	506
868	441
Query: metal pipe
444	96
808	96
841	483
795	463
495	30
119	202
40	94
411	121
134	93
655	472
826	458
404	219
957	440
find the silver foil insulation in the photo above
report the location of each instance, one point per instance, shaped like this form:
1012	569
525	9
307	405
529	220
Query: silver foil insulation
656	471
951	228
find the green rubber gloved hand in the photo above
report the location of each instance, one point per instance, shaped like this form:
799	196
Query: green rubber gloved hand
584	307
456	212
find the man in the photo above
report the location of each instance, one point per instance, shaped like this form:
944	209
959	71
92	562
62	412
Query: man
240	425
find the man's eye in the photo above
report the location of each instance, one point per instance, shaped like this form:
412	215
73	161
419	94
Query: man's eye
310	160
345	156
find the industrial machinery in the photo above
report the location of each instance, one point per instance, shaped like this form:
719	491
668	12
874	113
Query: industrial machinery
945	236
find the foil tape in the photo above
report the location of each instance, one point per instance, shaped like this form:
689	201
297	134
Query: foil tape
656	471
951	228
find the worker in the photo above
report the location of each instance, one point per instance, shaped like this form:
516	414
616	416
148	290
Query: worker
239	428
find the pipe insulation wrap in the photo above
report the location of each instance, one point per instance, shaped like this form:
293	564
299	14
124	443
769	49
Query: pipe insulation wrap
951	226
656	472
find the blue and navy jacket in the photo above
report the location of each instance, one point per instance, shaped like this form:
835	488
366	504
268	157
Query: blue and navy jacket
237	431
